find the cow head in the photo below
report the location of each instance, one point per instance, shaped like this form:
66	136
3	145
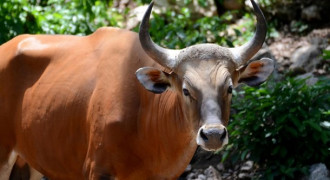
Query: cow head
204	75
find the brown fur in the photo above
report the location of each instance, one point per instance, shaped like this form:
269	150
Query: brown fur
73	109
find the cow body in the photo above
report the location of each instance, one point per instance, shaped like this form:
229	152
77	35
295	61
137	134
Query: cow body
76	108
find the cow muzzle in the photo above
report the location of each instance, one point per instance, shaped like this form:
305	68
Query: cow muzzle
212	137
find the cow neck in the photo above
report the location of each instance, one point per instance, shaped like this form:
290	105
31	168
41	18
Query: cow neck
163	114
165	131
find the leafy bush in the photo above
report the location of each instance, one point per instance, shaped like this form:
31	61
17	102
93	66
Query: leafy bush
283	127
14	20
326	54
179	30
79	17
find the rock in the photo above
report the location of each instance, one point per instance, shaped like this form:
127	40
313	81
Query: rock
187	172
191	176
244	176
318	41
198	10
264	52
327	48
203	159
135	16
121	4
318	172
305	59
311	13
195	174
226	175
188	168
220	167
319	37
201	177
247	166
311	79
212	174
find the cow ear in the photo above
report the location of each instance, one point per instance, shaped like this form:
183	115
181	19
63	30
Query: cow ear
256	72
153	79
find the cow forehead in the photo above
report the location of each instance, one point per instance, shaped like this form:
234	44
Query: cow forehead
207	73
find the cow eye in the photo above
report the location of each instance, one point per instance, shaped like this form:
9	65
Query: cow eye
186	92
230	89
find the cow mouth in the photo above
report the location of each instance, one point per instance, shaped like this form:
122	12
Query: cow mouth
212	137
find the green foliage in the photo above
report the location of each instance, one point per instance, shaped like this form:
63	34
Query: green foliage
55	17
325	63
298	26
244	29
81	17
141	2
269	3
326	54
179	30
13	19
283	127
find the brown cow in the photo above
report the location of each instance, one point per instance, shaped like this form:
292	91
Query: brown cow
72	107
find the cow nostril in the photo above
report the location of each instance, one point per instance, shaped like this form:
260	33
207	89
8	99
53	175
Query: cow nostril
204	137
223	136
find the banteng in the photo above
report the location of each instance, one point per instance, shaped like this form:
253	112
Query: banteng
115	104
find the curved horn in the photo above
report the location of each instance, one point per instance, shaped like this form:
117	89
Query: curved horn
165	57
245	52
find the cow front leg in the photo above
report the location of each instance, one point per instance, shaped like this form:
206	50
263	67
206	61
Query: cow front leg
7	161
95	174
94	171
23	171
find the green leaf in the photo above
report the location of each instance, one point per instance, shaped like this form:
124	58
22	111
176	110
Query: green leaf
291	130
243	155
314	125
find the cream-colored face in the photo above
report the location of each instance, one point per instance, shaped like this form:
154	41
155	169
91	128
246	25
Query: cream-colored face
207	87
